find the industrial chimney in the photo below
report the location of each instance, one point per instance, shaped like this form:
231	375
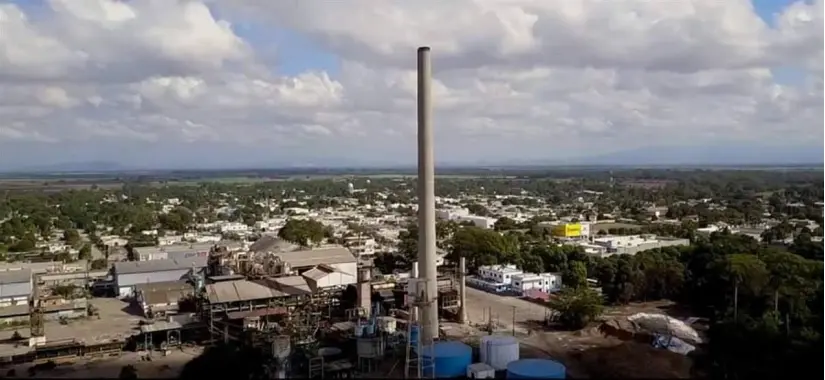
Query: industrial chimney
364	290
426	200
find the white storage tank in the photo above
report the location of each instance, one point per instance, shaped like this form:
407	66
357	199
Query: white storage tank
387	324
480	371
498	350
281	347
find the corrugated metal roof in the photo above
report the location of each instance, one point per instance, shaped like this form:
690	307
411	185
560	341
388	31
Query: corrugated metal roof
131	267
49	266
315	274
164	286
236	291
288	285
18	276
194	247
311	258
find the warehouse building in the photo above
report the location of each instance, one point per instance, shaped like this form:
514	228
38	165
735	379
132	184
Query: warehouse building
173	252
323	267
15	287
162	299
128	274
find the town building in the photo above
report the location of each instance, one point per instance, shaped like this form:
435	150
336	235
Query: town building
15	287
544	282
161	299
361	246
129	274
632	244
495	278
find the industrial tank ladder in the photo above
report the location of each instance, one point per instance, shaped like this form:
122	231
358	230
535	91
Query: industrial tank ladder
417	365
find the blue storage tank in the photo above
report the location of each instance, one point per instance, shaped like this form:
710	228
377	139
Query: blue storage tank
536	369
413	338
450	359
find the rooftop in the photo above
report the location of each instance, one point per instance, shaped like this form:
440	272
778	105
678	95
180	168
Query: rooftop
237	291
288	285
311	258
131	267
16	276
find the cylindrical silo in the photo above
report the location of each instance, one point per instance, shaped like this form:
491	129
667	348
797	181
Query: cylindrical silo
536	369
498	351
449	359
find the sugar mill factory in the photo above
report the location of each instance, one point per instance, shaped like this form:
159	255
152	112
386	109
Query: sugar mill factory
314	313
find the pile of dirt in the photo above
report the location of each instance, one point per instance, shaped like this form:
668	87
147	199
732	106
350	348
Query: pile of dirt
635	361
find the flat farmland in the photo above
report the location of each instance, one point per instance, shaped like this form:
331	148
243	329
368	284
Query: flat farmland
27	184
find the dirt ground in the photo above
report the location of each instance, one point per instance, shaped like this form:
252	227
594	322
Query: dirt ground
160	367
115	322
586	353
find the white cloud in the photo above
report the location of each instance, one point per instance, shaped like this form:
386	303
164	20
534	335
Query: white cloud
513	78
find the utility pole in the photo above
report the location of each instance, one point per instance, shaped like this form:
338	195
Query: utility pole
514	321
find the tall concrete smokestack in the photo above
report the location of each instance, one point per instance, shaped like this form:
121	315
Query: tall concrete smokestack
426	198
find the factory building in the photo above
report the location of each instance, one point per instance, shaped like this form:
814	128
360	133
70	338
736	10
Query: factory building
326	267
15	287
173	252
567	230
630	245
161	299
129	274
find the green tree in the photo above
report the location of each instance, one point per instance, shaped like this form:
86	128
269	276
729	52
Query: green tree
99	264
306	232
482	247
85	252
71	236
576	275
576	307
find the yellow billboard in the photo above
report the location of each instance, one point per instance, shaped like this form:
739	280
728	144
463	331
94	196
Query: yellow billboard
568	230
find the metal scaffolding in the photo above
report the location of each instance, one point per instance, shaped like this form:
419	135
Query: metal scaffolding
418	364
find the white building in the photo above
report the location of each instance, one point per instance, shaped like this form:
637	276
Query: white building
169	239
452	214
234	227
630	245
479	221
499	273
360	246
545	282
150	253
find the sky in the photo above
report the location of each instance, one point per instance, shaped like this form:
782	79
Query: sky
240	83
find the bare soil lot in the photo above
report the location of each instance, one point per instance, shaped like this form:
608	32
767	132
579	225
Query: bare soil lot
586	353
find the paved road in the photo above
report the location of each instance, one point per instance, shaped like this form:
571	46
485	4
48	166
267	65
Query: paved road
481	304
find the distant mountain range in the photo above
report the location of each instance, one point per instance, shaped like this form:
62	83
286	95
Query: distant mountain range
90	166
717	154
727	154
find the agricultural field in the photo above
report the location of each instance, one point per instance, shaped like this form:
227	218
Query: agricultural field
22	184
